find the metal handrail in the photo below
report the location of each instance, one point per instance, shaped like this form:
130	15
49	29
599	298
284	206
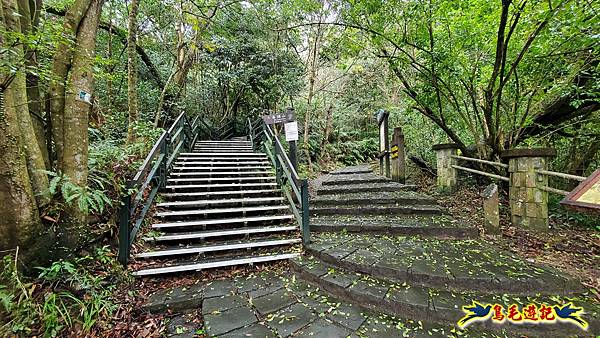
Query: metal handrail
286	173
152	174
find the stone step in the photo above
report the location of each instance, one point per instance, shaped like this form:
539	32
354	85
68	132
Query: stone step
222	163
221	263
186	167
426	226
446	264
221	194
400	198
375	210
183	236
343	179
222	211
429	304
232	179
227	154
221	202
359	169
238	245
356	188
223	186
219	173
239	220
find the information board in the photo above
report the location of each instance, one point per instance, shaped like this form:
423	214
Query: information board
291	131
586	197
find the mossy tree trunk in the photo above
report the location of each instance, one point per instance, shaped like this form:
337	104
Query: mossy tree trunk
18	101
60	69
19	218
132	98
75	123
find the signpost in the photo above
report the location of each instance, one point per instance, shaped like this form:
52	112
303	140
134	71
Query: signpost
291	135
586	197
398	156
384	142
276	118
291	131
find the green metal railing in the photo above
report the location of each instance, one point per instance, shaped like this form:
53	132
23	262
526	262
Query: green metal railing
262	135
152	176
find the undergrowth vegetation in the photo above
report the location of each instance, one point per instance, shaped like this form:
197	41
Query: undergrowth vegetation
69	296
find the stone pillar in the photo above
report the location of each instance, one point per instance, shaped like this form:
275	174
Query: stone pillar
446	175
490	209
398	156
528	204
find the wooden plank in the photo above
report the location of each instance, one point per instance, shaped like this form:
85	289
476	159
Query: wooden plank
215	264
217	248
221	233
222	221
221	211
199	203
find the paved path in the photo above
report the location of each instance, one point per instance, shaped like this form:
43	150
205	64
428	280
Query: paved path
384	261
281	305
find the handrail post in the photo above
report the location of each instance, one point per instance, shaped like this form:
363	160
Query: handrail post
124	217
305	212
163	165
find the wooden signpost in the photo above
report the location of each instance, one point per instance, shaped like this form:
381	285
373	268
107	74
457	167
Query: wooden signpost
288	119
384	142
398	156
586	197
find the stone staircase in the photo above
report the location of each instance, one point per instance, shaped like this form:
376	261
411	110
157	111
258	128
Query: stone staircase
221	207
382	247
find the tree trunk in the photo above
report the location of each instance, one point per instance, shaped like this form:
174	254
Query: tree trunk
20	224
327	131
29	22
17	92
312	63
132	98
60	69
76	117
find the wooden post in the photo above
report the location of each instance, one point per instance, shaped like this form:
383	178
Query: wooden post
384	143
528	203
446	174
490	208
398	156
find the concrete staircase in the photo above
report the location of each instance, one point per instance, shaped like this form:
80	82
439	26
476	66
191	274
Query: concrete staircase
384	248
221	207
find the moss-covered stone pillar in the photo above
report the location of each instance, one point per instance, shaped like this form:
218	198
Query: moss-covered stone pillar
528	203
446	174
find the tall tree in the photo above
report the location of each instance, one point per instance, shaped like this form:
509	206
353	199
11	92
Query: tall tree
132	98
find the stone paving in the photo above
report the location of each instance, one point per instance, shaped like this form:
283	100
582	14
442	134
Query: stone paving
362	273
280	305
457	264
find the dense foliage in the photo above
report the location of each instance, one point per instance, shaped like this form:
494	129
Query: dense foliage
488	75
